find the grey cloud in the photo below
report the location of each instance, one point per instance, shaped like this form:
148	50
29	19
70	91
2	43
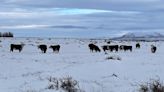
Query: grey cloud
69	27
92	4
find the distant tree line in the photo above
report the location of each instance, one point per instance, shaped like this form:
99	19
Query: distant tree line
6	34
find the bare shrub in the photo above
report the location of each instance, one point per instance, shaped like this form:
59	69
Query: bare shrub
113	58
157	86
53	83
67	84
154	86
144	88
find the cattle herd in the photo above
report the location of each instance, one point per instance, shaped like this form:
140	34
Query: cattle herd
42	47
116	48
110	48
92	47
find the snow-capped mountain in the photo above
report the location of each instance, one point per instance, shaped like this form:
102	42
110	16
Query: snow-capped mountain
150	36
143	35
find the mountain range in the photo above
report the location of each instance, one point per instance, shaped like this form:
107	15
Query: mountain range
141	36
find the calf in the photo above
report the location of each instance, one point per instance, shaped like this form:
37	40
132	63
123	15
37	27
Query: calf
16	47
55	48
93	47
43	48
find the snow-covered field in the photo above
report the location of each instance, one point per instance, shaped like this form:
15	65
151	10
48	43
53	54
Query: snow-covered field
29	70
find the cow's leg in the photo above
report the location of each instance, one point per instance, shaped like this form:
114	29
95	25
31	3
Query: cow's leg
42	50
11	50
45	50
103	49
20	49
91	50
57	51
117	50
130	50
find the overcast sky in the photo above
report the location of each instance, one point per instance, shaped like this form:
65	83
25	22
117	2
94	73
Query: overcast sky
80	18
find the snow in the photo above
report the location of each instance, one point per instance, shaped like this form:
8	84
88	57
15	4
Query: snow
28	71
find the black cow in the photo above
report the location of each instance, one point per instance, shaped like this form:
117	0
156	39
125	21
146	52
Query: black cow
137	45
153	48
110	47
16	47
55	48
125	48
122	47
93	47
107	41
43	48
